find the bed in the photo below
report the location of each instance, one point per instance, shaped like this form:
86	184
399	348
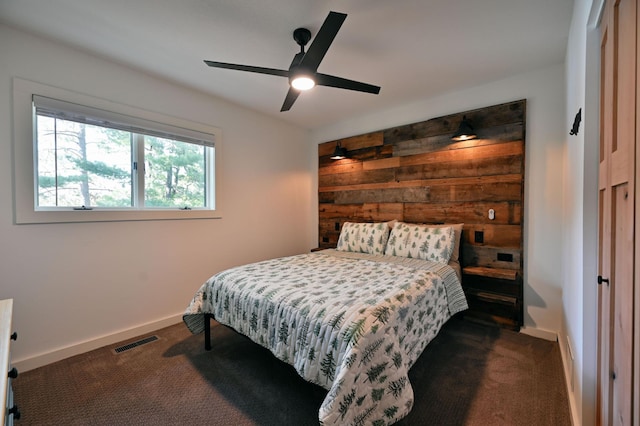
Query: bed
352	319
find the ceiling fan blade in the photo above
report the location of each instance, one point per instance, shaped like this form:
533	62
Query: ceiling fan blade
323	40
249	68
291	97
343	83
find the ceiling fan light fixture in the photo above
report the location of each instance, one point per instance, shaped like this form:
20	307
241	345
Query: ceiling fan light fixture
302	82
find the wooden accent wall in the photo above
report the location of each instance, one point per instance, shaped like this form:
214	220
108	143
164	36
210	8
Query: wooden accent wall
416	173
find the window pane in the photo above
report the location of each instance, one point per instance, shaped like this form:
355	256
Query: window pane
174	173
82	165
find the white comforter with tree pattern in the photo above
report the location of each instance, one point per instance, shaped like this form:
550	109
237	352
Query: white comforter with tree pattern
352	323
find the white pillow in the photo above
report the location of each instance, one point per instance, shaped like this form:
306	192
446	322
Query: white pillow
363	237
434	243
457	229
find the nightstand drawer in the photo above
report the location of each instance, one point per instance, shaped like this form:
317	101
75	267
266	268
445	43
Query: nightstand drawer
493	302
494	285
494	308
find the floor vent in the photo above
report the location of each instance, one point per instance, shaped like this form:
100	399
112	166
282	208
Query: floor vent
137	343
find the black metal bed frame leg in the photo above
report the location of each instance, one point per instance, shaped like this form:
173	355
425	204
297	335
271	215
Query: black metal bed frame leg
207	331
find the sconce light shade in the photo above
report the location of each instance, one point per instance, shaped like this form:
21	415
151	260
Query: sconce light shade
339	152
465	131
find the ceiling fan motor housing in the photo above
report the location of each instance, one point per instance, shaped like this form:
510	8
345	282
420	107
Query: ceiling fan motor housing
302	37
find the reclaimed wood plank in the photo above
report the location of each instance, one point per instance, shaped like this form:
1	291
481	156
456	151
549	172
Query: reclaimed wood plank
384	163
337	167
382	212
343	180
510	112
394	184
433	193
486	136
503	274
506	213
476	152
331	210
500	235
492	234
352	143
488	257
503	165
362	155
330	214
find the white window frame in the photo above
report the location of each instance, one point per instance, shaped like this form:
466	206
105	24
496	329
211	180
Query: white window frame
25	208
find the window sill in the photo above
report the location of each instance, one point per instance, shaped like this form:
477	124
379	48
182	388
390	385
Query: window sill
77	216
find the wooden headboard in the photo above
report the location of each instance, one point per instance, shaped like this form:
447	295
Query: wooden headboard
417	173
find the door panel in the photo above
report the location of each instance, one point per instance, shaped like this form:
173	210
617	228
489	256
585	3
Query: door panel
616	214
603	411
622	332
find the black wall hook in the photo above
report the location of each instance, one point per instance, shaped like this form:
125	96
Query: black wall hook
576	123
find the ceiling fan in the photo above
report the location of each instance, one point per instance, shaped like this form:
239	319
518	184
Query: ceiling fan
302	72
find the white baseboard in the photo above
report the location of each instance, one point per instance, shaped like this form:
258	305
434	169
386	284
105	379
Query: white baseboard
89	345
567	365
539	333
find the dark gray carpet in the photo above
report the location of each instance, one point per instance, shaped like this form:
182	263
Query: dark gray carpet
470	374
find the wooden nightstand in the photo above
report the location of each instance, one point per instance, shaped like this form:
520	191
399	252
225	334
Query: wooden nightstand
494	295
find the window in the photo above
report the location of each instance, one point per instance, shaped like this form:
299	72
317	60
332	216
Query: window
95	164
87	158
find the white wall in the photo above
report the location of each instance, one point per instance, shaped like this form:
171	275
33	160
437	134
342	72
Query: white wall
578	330
75	283
545	134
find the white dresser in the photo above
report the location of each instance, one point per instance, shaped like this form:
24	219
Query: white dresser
8	410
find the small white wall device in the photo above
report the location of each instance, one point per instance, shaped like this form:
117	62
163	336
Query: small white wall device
492	214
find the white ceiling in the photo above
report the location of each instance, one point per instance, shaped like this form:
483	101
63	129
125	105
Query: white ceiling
413	49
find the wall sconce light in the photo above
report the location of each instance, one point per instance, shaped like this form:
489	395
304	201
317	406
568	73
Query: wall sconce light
465	131
339	152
